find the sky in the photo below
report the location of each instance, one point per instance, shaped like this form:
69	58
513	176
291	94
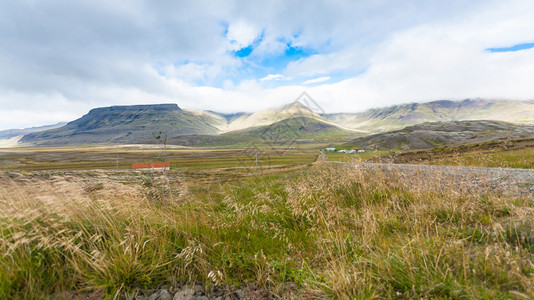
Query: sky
60	58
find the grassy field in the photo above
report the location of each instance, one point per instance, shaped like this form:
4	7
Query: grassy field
318	231
89	158
521	158
356	157
498	154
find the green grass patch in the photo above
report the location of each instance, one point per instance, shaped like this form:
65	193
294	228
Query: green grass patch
330	231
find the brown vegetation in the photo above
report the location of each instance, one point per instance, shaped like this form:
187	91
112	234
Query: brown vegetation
330	231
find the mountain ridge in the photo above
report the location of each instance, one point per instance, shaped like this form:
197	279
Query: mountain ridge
122	124
136	123
398	116
434	134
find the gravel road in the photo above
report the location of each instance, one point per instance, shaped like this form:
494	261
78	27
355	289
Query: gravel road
507	180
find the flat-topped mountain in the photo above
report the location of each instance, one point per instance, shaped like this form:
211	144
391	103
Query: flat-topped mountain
137	123
123	124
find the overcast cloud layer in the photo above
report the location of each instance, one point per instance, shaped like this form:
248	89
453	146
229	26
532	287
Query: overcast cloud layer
58	59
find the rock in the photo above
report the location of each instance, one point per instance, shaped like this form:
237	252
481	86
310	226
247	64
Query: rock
161	295
185	294
65	295
218	291
199	290
238	294
191	294
71	295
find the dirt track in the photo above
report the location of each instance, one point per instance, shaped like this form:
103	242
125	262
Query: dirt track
517	181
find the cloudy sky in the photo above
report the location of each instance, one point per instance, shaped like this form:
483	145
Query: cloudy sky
60	58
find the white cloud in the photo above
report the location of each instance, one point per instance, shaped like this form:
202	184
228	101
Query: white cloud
316	80
242	33
273	77
68	57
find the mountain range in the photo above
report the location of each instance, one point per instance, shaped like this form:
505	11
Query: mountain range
292	122
435	134
399	116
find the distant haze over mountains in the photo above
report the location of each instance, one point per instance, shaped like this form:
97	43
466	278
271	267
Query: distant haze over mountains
435	134
137	123
399	116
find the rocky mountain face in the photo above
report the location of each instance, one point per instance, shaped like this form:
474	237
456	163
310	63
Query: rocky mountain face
124	124
400	116
137	123
435	134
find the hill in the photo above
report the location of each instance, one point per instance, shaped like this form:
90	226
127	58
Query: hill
400	116
271	116
124	124
10	133
215	119
501	153
11	137
434	134
289	130
136	123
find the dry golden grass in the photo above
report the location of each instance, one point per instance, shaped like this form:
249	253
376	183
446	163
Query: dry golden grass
334	231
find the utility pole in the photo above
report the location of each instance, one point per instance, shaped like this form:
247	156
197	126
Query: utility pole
117	161
256	160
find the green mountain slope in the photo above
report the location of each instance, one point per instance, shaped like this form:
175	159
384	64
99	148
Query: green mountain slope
217	120
435	134
123	124
136	123
295	128
271	116
399	116
284	132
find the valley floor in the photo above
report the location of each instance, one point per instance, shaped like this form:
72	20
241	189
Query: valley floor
298	228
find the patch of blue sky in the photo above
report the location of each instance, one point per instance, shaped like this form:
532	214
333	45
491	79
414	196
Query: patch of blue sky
159	67
255	67
514	48
291	53
244	52
224	25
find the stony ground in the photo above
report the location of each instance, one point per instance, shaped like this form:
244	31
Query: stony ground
517	181
197	292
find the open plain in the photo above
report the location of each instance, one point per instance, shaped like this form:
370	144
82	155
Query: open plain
217	225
